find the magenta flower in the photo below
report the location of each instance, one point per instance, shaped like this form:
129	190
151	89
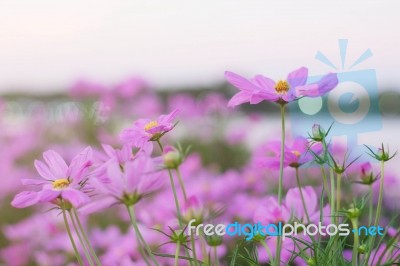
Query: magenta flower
271	212
144	130
261	88
295	154
126	183
60	181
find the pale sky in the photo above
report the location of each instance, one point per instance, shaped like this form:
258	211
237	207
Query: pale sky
46	45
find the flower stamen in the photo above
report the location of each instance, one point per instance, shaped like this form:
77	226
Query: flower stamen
60	184
282	87
296	153
150	125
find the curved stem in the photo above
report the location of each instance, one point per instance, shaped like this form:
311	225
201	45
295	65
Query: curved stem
181	184
178	245
78	256
271	258
86	239
85	249
131	212
301	195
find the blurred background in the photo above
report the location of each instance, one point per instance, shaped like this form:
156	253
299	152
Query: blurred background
76	73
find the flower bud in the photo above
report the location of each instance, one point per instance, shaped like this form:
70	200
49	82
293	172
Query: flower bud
213	240
172	158
179	236
353	213
367	175
311	262
318	133
259	237
362	249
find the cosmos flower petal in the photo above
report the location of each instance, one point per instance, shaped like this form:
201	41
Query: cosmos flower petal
79	165
75	197
327	83
48	195
169	118
98	205
297	77
309	90
25	199
44	170
240	82
266	84
56	163
239	98
27	181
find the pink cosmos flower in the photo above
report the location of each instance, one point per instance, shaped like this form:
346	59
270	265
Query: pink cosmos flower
271	212
126	183
261	88
296	153
60	181
144	130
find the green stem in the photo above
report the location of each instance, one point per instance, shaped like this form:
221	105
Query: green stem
178	209
338	192
332	178
78	256
178	173
325	183
178	245
371	205
301	195
282	154
131	212
86	239
193	249
280	184
85	249
356	242
271	259
378	210
216	256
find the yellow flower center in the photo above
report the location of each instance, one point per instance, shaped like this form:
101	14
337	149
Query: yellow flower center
282	87
150	125
297	153
60	184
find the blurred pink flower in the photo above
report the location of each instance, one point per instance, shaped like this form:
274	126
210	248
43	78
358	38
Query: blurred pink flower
59	180
144	130
271	212
261	88
296	153
130	87
125	183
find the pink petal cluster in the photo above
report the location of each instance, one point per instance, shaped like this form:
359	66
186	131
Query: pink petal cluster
261	88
